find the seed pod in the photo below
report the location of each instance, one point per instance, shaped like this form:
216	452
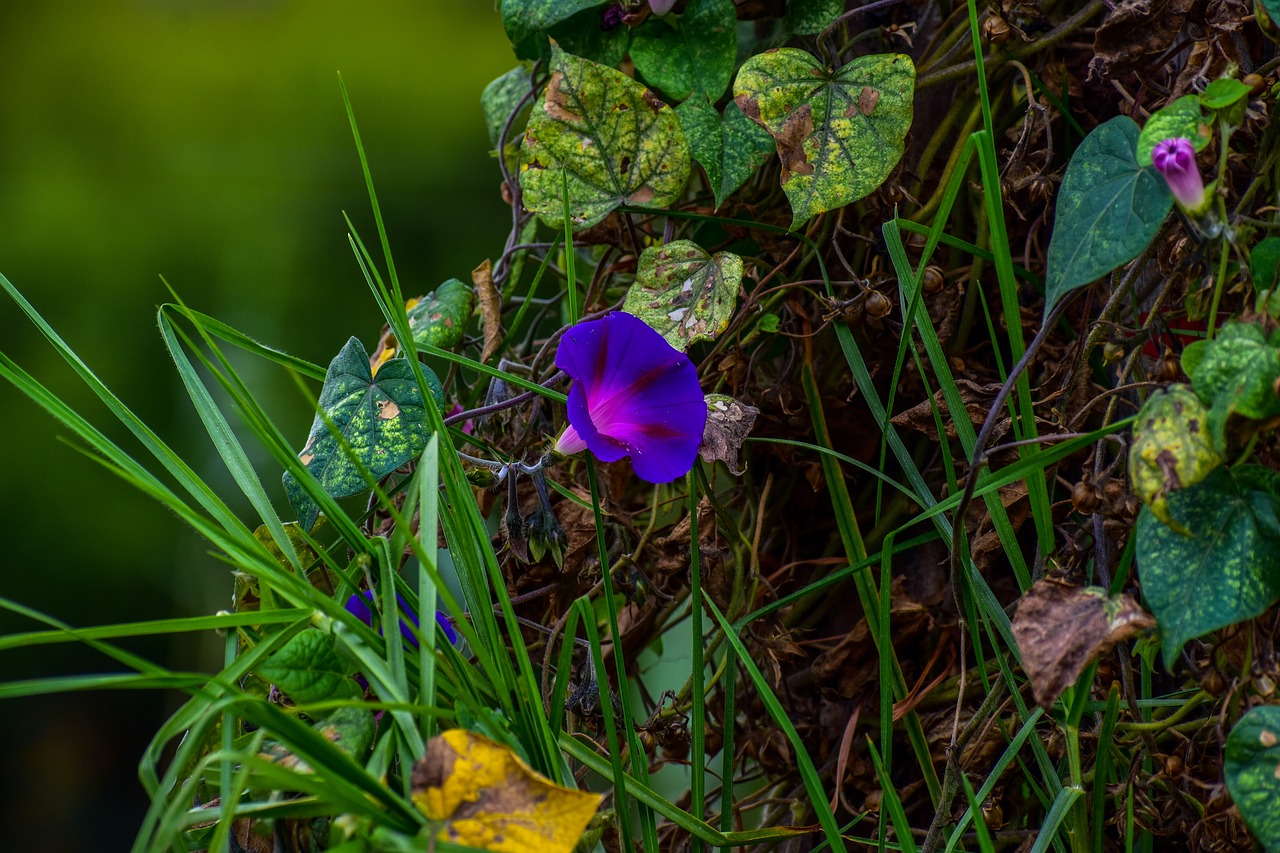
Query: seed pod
1173	765
1255	82
1085	497
996	30
1214	682
933	279
876	304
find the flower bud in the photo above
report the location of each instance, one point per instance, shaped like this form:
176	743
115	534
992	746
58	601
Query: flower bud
1175	159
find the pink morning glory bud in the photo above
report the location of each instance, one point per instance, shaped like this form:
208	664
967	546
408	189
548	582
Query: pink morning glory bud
633	394
1176	159
661	7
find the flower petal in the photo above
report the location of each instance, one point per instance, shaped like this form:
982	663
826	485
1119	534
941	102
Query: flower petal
634	394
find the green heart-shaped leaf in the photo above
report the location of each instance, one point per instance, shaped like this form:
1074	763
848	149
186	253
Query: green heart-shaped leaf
382	420
1252	769
1109	209
1182	119
685	293
1228	568
692	53
730	148
613	141
307	668
838	134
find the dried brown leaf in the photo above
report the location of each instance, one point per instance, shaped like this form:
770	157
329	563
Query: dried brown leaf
490	309
1061	629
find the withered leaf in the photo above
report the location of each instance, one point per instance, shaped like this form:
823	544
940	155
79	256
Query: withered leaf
487	798
490	309
1061	629
1134	31
728	424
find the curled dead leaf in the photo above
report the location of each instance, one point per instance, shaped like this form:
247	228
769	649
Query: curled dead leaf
1061	629
490	309
728	424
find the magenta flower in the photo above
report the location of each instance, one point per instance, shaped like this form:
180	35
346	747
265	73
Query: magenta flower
1176	159
633	395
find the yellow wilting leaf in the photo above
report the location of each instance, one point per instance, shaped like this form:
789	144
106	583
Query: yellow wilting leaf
488	798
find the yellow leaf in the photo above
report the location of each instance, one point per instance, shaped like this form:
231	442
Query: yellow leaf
488	798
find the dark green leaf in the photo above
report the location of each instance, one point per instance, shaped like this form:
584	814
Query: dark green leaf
1109	209
500	99
307	669
383	422
693	53
615	141
584	35
685	293
1235	373
808	17
1226	571
526	20
439	318
1224	92
1264	269
839	134
1252	769
1182	118
730	149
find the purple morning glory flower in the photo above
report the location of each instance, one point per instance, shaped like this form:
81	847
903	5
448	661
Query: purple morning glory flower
358	606
633	394
1176	159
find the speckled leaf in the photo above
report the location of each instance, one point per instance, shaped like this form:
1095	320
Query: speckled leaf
1235	373
1171	448
382	419
730	148
615	140
307	669
525	20
692	53
1227	570
839	134
808	17
440	317
500	98
350	729
1109	209
684	293
1182	118
1252	769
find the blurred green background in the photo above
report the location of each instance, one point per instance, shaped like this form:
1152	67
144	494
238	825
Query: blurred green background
205	141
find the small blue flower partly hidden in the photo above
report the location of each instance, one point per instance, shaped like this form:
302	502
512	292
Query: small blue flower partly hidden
633	394
1175	159
358	606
